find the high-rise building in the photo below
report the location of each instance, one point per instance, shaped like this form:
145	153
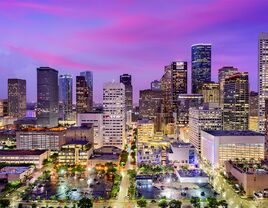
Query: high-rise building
263	78
150	103
82	95
236	102
211	92
17	98
253	103
47	97
203	118
224	73
201	66
114	114
89	80
173	83
185	102
156	85
65	96
126	80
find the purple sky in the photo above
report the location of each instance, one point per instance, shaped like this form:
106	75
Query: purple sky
125	36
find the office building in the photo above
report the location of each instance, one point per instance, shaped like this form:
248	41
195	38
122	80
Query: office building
1	107
220	146
263	78
211	93
89	80
203	118
114	113
236	102
149	154
47	97
156	85
96	119
173	83
17	98
40	139
15	173
65	96
35	157
126	80
185	102
253	111
145	130
75	153
82	95
201	66
150	102
224	73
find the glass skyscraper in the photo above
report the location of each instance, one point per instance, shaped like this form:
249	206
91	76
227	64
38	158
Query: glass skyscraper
89	79
47	97
126	80
65	96
201	66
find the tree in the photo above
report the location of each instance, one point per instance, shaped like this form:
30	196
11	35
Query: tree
142	202
223	203
212	202
195	201
163	203
4	203
85	203
174	203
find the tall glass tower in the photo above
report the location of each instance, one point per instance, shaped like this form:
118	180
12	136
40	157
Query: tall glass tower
65	96
89	79
126	80
201	66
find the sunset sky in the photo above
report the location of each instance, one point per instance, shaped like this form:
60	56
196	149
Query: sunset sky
139	37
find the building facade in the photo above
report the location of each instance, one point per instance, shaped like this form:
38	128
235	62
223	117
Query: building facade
156	85
220	146
17	98
47	97
203	118
201	66
114	114
96	119
236	102
127	81
224	73
263	78
65	96
211	93
89	80
146	130
82	95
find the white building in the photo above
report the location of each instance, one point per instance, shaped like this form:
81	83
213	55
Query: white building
114	114
204	118
96	119
182	154
263	78
220	146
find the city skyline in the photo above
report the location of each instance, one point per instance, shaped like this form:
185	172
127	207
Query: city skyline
103	42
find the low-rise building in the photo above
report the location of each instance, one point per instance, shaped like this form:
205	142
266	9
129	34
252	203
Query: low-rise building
251	176
181	154
35	157
192	176
75	152
17	173
220	146
145	130
84	132
149	154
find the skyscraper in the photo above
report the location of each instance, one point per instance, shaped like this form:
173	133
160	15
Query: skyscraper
126	80
263	78
47	97
17	97
89	80
224	73
201	66
236	102
66	96
211	93
82	95
156	85
114	114
173	83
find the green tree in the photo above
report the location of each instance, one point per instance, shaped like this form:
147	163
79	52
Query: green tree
163	203
4	203
85	203
142	202
174	203
212	202
195	201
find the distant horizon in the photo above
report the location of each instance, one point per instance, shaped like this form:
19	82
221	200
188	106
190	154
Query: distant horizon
133	37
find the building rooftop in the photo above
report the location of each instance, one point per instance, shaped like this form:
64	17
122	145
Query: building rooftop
192	173
82	142
22	152
181	144
13	170
55	129
233	133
